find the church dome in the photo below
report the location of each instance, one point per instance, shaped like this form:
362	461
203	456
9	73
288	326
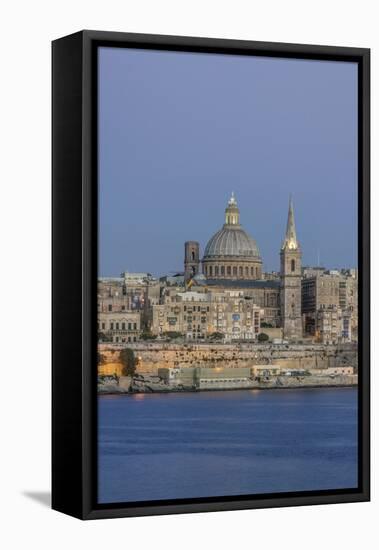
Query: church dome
231	239
231	253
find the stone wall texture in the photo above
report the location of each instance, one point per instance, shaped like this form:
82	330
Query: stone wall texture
152	356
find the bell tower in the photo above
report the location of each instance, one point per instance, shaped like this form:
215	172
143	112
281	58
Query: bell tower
290	280
191	259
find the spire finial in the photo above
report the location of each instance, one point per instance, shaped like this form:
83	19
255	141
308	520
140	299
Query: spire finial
290	240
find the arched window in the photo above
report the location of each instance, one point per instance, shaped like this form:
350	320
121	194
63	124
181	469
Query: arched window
246	271
293	265
216	270
193	255
234	270
210	270
252	271
241	271
229	270
222	270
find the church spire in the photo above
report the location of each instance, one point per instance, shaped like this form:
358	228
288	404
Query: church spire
290	240
232	213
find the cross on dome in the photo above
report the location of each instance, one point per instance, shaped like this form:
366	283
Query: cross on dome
232	200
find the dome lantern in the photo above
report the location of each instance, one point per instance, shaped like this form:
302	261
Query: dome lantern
232	213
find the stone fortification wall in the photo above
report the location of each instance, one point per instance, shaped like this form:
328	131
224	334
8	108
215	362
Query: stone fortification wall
152	356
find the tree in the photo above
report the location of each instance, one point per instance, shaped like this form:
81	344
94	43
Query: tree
148	335
216	336
103	337
263	337
128	361
172	334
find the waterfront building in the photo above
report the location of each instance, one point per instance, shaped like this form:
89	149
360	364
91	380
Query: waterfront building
198	315
333	325
331	289
204	378
123	306
111	296
119	327
131	292
264	294
264	371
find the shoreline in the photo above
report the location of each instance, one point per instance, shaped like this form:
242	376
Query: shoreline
122	391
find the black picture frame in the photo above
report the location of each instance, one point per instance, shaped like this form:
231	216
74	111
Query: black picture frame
74	271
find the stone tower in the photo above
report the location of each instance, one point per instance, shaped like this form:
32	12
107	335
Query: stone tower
290	281
191	259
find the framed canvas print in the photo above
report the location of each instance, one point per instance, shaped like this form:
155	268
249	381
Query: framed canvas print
210	274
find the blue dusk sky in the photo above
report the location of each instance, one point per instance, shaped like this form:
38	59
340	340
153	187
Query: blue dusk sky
178	132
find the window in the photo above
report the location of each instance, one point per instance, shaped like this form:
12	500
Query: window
129	327
292	265
117	326
109	307
135	326
123	326
111	326
123	308
229	270
222	270
210	270
234	270
241	271
193	255
216	270
103	326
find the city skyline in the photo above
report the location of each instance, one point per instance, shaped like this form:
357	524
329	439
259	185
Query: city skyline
168	160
